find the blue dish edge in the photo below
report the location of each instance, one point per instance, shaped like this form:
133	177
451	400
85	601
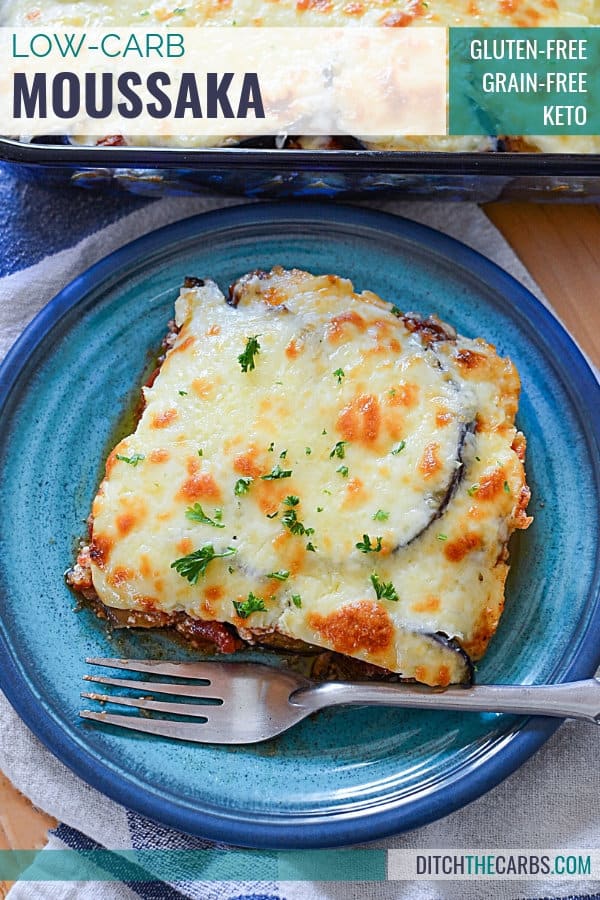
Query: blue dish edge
305	832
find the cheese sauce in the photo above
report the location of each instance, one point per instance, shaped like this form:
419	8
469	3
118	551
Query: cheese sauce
348	477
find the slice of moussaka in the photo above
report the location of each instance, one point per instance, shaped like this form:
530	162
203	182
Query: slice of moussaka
311	464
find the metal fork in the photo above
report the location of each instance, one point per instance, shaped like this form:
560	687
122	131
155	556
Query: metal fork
244	703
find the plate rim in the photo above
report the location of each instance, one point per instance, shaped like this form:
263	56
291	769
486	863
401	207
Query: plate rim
380	820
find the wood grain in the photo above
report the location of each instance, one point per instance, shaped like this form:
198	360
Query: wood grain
560	245
22	826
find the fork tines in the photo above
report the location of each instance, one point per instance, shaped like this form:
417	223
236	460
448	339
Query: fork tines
203	672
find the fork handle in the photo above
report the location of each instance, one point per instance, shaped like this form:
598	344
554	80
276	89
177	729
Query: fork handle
574	700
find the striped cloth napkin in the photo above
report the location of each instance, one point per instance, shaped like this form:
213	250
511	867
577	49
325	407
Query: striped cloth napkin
551	802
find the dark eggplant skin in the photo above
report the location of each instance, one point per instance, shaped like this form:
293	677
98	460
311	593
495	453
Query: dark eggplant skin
451	488
452	646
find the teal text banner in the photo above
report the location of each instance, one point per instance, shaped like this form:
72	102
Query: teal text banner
524	81
193	865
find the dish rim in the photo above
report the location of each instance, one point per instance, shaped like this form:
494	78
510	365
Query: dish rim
272	831
394	162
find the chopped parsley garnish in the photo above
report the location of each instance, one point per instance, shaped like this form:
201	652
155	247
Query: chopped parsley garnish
281	575
292	500
311	547
180	11
277	472
324	431
195	513
183	393
131	460
339	374
381	515
195	564
308	451
201	452
245	608
325	491
271	447
242	486
506	487
385	590
365	546
297	600
290	520
478	458
399	448
392	392
343	470
283	454
273	515
230	569
338	450
246	359
442	537
319	509
473	490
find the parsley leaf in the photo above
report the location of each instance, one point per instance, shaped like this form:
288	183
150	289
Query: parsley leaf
245	608
343	470
242	486
290	520
442	537
473	490
277	472
297	600
506	487
195	513
273	515
385	590
365	546
339	374
246	359
131	460
311	547
338	450
292	500
201	452
281	575
381	515
195	564
399	448
283	454
308	451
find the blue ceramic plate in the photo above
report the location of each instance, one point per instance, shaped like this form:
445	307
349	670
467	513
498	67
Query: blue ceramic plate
346	775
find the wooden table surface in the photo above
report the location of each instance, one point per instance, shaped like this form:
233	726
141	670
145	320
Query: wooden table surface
560	245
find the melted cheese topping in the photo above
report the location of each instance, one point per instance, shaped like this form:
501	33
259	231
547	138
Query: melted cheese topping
390	13
355	431
366	13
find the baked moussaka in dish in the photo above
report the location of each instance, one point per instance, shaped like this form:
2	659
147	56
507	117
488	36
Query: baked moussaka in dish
159	14
313	465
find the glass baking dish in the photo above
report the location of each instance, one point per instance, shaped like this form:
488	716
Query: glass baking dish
286	173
